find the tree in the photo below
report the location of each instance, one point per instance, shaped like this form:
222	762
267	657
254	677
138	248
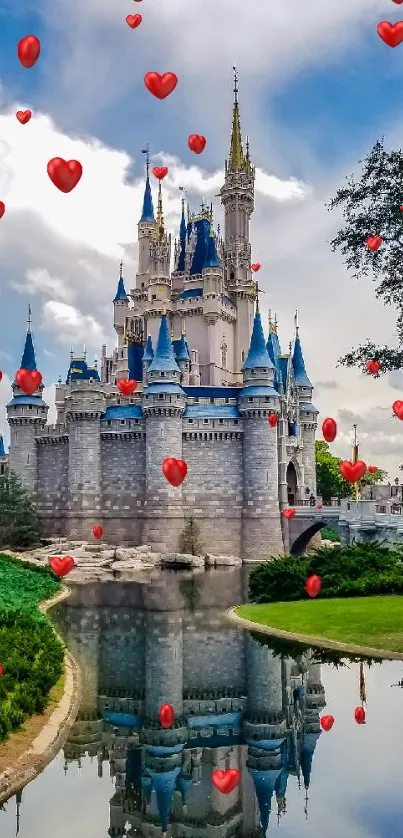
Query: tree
372	207
190	540
20	525
330	483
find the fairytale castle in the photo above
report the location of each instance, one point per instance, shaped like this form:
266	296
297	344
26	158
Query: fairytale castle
207	378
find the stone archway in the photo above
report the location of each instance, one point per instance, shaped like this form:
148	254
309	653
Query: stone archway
292	484
298	548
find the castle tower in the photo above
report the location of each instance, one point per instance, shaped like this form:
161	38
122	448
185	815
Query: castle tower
180	254
183	359
237	197
261	525
120	309
160	257
308	413
163	408
147	356
146	227
26	415
213	286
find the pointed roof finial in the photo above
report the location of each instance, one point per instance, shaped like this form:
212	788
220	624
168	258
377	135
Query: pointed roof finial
121	269
235	85
296	324
71	353
270	323
29	321
160	216
237	162
146	151
85	352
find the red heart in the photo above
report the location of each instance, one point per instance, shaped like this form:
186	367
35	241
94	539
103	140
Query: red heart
329	430
28	50
359	712
160	172
226	781
398	2
61	565
197	143
166	715
23	116
288	513
174	470
1	670
1	375
256	267
28	380
65	174
397	408
373	469
313	586
97	531
327	722
401	208
272	419
160	86
319	506
127	386
374	243
352	471
391	33
373	367
133	21
2	209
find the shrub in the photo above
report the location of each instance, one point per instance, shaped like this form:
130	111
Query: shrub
330	534
190	539
20	525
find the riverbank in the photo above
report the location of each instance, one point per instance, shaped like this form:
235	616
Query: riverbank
372	626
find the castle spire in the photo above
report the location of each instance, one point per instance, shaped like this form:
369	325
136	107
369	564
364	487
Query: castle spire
28	360
164	359
300	374
258	356
121	295
237	161
148	209
160	217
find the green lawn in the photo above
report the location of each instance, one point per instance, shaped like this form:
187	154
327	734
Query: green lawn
363	621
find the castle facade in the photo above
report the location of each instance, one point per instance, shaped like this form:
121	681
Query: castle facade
208	379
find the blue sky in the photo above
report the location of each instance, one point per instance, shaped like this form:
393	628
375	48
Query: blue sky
317	87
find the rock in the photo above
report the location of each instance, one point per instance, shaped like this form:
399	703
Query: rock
144	548
131	564
182	560
227	560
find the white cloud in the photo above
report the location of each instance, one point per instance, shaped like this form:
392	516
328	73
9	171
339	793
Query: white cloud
70	325
39	280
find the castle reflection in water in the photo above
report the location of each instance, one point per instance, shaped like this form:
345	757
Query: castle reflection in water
237	705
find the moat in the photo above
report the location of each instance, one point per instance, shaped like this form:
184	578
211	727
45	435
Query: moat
239	703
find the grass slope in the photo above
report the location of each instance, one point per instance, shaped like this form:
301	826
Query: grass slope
363	621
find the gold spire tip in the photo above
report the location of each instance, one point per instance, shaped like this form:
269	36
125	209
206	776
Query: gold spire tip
29	321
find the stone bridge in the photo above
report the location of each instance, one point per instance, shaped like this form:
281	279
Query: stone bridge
362	521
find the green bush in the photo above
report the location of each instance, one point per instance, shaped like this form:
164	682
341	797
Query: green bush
20	525
361	570
330	534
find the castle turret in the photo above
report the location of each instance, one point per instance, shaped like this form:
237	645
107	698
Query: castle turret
163	408
262	534
147	356
26	415
183	360
120	309
308	412
146	227
160	258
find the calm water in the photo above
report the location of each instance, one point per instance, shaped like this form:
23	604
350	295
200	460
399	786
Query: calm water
238	703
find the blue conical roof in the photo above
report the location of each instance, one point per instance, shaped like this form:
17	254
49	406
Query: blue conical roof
28	361
300	376
121	291
258	356
164	359
212	260
148	209
202	226
306	756
183	352
2	449
182	239
274	349
264	782
164	785
149	351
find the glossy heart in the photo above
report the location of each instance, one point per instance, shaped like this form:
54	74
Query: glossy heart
359	715
256	267
61	565
352	471
288	513
28	380
1	375
313	586
65	174
272	420
28	50
133	21
167	715
391	33
23	116
1	670
160	86
197	143
174	470
374	243
372	469
160	172
226	781
126	386
327	722
2	209
97	531
329	429
397	408
373	367
319	506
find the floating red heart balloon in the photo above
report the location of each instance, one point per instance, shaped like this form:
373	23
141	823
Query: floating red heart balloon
1	375
374	243
133	21
319	506
65	174
372	469
359	713
373	367
23	116
397	408
272	419
288	513
197	143
226	781
329	430
126	386
167	715
29	50
391	33
256	267
313	586
2	209
61	565
1	670
398	2
174	470
97	531
352	471
401	208
160	172
28	380
160	86
327	722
